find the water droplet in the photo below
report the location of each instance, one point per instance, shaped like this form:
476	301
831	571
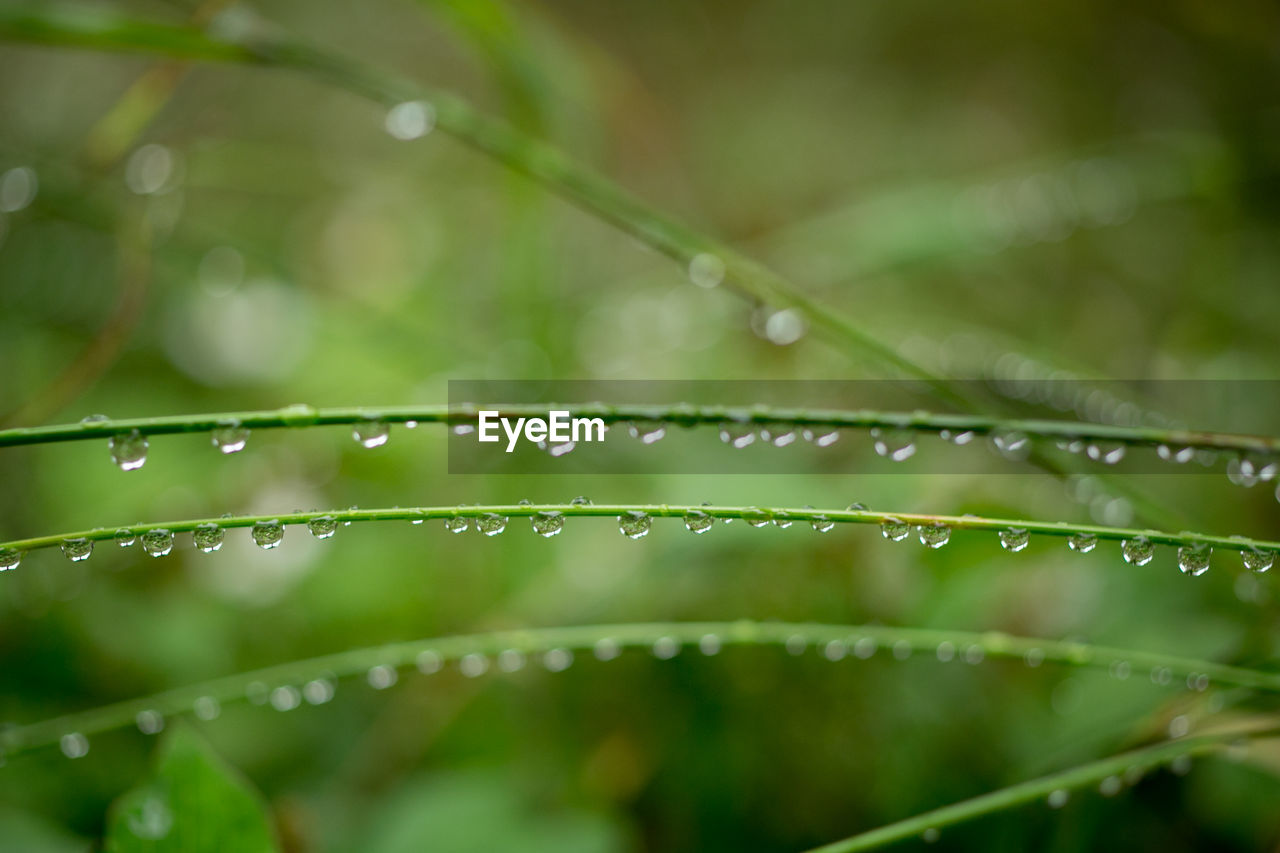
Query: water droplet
821	436
230	436
834	650
901	650
665	648
697	521
1082	543
1070	445
1058	799
822	524
457	524
1120	670
382	676
128	450
634	524
974	654
933	535
125	537
510	660
896	445
781	436
1137	551
946	651
1255	559
756	517
606	649
371	433
268	534
285	697
706	270
17	188
74	745
1194	559
547	523
1180	455
737	435
9	559
795	644
473	665
206	708
856	506
647	432
318	691
784	327
94	419
157	542
864	648
781	520
1106	452
709	644
77	549
150	169
149	722
580	500
429	661
208	537
1110	786
323	526
557	660
930	835
1033	657
1012	445
1014	539
410	120
894	530
491	524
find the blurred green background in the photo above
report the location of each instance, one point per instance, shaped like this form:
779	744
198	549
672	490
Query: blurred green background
994	188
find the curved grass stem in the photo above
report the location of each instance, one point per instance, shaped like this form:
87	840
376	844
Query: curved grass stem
761	515
851	641
684	415
1119	767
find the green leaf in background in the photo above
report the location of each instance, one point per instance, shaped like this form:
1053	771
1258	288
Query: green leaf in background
193	802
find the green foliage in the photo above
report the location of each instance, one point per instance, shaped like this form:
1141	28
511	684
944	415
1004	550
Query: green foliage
193	802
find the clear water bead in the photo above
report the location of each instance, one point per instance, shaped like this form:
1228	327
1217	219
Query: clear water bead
647	432
323	526
371	433
821	436
1014	539
268	534
580	500
74	745
1138	551
9	559
1012	445
457	524
1177	455
706	270
933	535
230	437
1257	560
896	445
697	521
634	524
410	120
208	537
737	435
1194	559
894	530
1106	452
756	517
1082	543
77	549
125	538
822	524
157	543
128	450
491	524
547	523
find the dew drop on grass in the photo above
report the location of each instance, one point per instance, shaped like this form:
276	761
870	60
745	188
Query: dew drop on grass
230	437
510	660
606	649
706	270
74	745
382	676
894	530
737	435
94	419
1014	539
1110	786
149	722
781	520
557	660
697	521
1255	559
1137	551
125	538
933	535
318	691
647	432
323	526
9	559
410	120
547	523
709	644
77	549
157	542
1194	559
822	524
473	665
834	650
665	648
208	537
267	534
580	500
1012	445
457	524
1177	455
756	517
1082	543
782	437
896	445
429	661
371	433
1106	452
634	524
206	708
1058	799
128	450
1120	670
821	436
286	697
856	506
491	524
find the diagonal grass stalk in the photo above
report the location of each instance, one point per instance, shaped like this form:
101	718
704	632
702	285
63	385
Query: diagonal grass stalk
750	513
854	641
684	415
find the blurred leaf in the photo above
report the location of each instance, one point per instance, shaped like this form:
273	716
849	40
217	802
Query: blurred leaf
193	803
